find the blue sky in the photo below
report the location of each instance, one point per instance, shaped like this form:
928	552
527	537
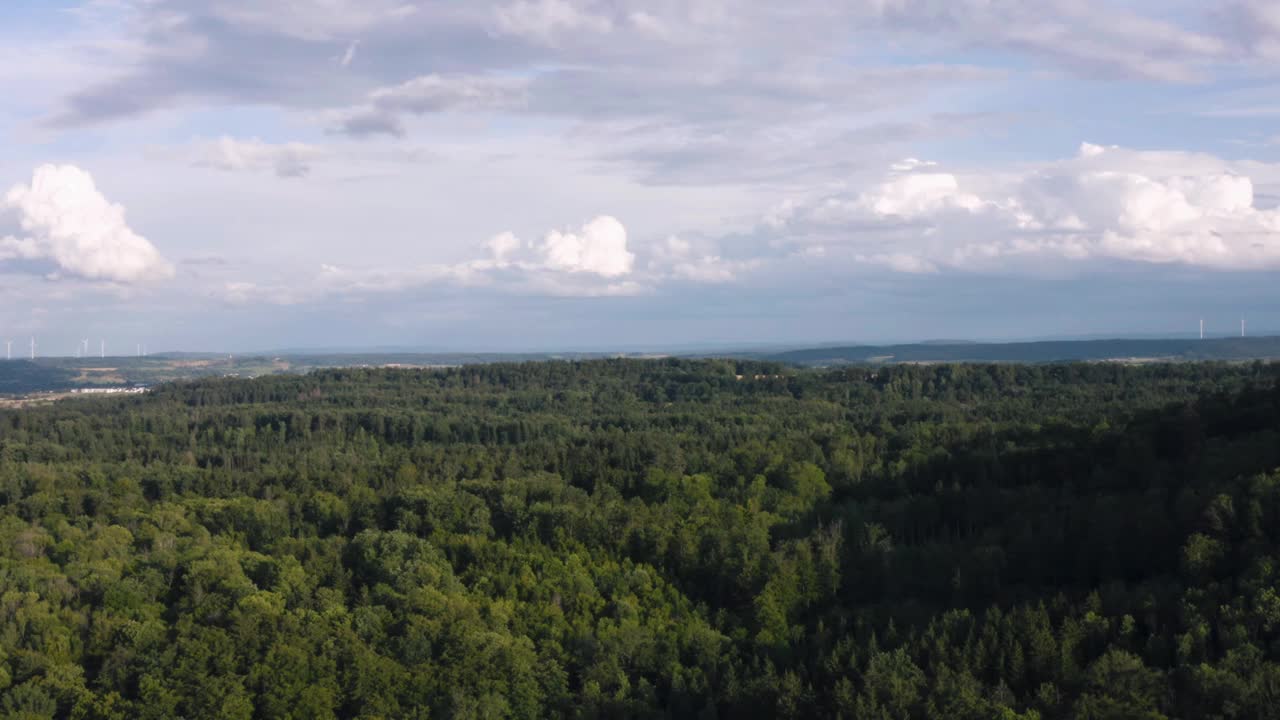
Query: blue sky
597	174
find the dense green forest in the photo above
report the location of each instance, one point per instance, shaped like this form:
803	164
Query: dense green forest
638	539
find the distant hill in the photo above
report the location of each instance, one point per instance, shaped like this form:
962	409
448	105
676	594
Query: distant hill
64	373
426	359
1177	350
23	376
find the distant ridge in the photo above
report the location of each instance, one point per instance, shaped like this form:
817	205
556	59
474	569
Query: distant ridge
1174	350
20	377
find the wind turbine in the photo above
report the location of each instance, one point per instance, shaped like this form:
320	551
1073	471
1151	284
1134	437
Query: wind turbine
102	350
33	347
8	349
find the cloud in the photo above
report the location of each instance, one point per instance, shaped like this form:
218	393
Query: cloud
698	262
598	248
670	92
158	54
591	261
504	247
545	20
1092	39
286	160
171	52
66	220
910	164
594	260
385	108
757	125
332	281
1256	26
350	54
1107	203
916	194
900	262
368	121
314	21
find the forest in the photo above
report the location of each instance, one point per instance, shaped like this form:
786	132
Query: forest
648	539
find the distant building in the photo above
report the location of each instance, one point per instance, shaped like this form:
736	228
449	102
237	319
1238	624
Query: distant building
110	391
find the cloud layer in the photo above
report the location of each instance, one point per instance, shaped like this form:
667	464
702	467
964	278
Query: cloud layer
1103	204
689	92
63	218
183	49
652	136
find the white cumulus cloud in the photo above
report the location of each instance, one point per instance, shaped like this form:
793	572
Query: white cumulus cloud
1107	203
919	194
597	248
600	247
66	220
504	246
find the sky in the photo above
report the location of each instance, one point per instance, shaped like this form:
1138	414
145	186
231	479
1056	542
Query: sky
239	175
